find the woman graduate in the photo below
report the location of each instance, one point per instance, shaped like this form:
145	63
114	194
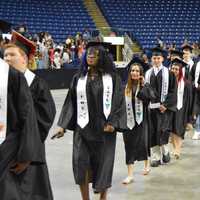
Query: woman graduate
17	54
184	102
136	138
94	109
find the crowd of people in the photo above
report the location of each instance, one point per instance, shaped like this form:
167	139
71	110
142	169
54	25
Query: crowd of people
154	107
52	55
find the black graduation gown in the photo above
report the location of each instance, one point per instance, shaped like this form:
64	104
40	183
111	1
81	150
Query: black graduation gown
22	142
94	149
194	91
196	109
161	123
45	112
182	117
137	140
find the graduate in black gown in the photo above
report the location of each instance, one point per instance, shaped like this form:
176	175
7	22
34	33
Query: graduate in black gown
94	109
20	148
184	102
164	85
196	109
136	137
193	74
17	55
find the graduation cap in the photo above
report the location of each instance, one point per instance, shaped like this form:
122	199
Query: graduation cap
104	45
137	61
179	62
176	52
23	43
187	47
157	51
5	26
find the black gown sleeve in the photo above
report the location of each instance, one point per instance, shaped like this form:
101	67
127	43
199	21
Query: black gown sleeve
44	107
171	99
30	144
117	117
146	94
68	119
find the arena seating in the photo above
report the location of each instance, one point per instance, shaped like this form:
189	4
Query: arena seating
60	18
172	20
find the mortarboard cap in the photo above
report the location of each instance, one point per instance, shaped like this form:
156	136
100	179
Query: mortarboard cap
157	51
23	43
105	45
179	62
187	47
176	52
136	60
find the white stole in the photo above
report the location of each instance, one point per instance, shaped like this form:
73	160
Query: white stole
82	106
138	110
165	81
4	71
180	92
29	75
107	94
190	63
197	72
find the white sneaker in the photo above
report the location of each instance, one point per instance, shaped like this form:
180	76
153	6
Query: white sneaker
196	136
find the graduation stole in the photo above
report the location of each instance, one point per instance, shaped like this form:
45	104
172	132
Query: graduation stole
29	75
4	71
197	72
82	106
165	81
180	92
129	109
190	63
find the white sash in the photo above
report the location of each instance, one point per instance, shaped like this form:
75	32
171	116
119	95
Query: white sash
129	110
138	108
107	94
165	81
180	93
4	70
197	72
29	75
82	106
190	63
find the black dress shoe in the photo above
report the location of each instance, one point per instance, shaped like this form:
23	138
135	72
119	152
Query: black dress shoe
155	163
96	191
166	158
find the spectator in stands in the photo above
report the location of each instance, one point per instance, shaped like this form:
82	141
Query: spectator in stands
86	34
66	57
57	59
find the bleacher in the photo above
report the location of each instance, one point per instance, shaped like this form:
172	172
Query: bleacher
60	18
172	20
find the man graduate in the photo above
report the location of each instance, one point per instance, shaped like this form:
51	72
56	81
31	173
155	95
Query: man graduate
20	143
161	109
17	55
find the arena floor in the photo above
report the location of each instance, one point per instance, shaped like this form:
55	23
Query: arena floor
180	180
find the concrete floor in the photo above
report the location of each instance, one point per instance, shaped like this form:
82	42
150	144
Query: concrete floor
180	180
